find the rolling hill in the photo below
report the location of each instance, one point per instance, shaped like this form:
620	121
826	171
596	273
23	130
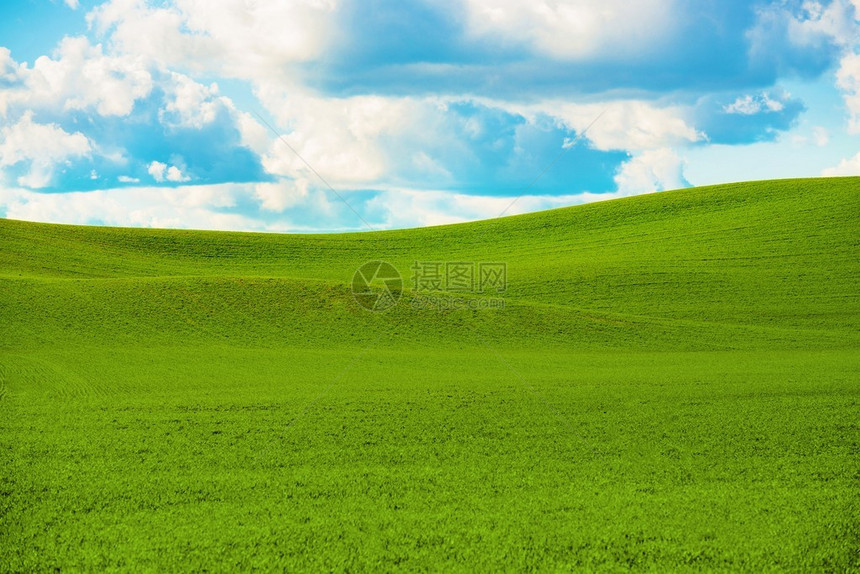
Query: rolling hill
672	383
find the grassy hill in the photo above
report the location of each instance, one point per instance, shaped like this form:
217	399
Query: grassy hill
672	383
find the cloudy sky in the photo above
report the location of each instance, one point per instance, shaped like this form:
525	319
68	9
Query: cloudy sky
189	113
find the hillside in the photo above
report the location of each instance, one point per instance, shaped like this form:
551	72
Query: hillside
736	266
672	383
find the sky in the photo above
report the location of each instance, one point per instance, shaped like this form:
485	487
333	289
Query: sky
348	115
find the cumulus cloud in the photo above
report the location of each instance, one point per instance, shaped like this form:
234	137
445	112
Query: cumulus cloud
175	174
840	21
419	113
577	29
787	39
162	172
42	146
653	170
127	110
79	77
157	169
627	124
9	73
230	37
848	79
836	19
748	118
846	167
254	135
750	105
826	30
467	145
339	137
188	103
448	46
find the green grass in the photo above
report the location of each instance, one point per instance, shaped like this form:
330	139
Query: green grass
673	384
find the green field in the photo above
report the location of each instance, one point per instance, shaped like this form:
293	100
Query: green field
673	384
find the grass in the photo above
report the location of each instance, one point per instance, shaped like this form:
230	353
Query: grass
671	385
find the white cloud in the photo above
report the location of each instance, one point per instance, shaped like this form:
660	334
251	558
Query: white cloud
206	196
236	38
185	207
202	207
349	140
367	141
189	104
175	174
850	166
848	80
575	29
751	105
620	125
339	137
43	145
161	171
653	170
838	21
8	70
156	170
73	4
358	141
254	135
81	77
278	196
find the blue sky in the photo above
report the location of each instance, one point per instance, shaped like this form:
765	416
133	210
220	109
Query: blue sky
173	113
